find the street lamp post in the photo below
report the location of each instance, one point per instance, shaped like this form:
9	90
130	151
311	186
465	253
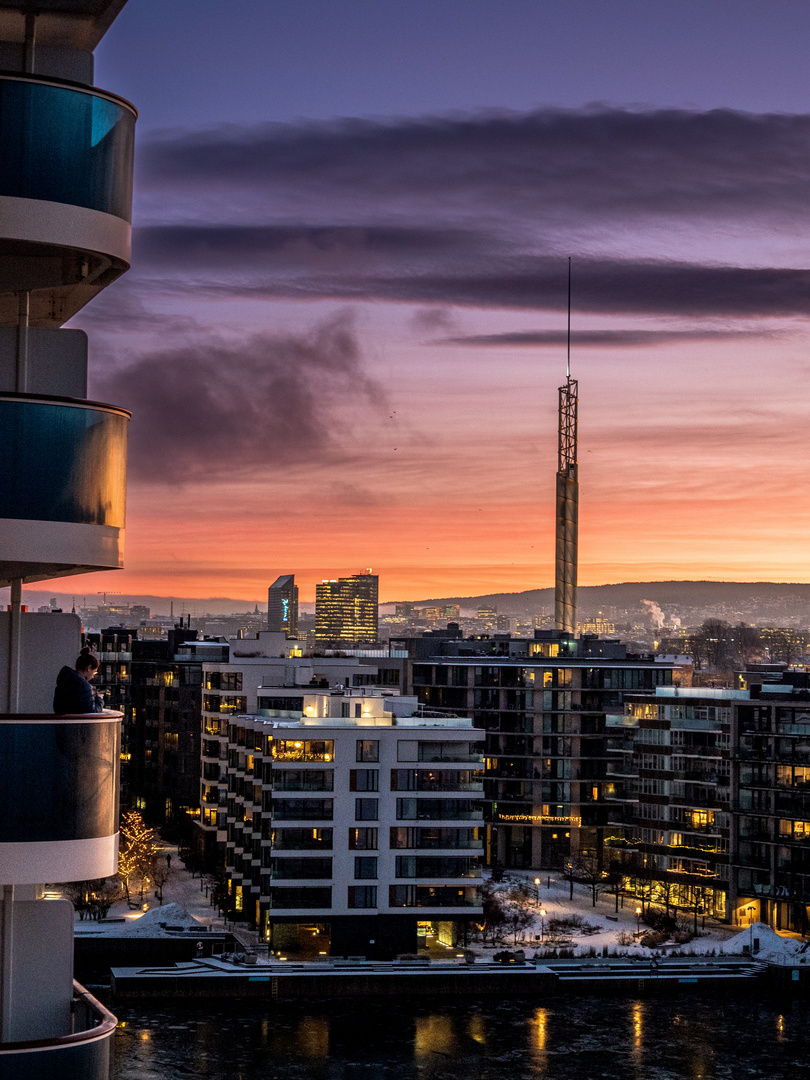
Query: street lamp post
638	919
542	925
537	890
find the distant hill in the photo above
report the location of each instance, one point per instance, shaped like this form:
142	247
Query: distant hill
783	599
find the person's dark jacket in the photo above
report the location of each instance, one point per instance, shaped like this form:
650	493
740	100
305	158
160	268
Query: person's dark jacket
74	694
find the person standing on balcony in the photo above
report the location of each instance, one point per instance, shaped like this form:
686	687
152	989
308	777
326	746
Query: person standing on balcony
74	692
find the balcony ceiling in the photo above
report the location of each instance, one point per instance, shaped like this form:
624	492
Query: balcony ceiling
73	24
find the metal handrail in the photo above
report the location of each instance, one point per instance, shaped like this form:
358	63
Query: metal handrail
105	1026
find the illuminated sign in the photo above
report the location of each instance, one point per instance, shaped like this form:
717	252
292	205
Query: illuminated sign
285	609
542	819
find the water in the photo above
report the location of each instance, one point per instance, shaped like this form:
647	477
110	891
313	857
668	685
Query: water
697	1036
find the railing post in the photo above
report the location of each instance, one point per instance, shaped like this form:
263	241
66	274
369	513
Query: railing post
14	643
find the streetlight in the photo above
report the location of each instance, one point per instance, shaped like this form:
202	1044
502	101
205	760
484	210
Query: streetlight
638	920
542	924
537	889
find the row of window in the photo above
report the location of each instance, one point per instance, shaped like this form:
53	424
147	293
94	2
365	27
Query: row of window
369	809
365	838
366	750
369	780
365	867
365	896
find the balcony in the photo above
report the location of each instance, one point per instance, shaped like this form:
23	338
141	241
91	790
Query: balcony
65	829
84	1052
66	158
62	486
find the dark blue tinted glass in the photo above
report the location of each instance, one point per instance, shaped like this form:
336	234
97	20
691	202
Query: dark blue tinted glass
63	463
79	800
65	146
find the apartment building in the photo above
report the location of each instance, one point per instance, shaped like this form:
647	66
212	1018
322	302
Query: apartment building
670	798
711	806
543	704
353	822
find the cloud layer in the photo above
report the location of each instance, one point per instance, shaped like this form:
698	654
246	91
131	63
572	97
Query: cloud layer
218	409
598	162
666	213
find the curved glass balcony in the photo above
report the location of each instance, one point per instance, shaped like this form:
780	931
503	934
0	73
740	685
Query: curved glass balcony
63	460
62	778
84	1052
66	144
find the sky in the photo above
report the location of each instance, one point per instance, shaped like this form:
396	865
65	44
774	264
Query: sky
344	328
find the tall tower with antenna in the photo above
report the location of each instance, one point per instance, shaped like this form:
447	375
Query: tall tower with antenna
565	576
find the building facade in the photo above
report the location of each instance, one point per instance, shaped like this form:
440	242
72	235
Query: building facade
346	611
671	801
712	799
232	684
543	704
352	823
771	803
282	606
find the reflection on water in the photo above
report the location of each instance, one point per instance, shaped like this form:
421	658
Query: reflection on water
699	1036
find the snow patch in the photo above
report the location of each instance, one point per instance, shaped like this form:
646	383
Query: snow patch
771	945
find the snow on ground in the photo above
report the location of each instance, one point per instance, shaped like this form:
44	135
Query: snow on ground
554	899
185	904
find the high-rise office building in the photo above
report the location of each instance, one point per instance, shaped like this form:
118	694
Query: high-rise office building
66	154
346	610
282	605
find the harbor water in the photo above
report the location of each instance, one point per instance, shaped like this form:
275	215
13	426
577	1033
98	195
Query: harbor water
702	1035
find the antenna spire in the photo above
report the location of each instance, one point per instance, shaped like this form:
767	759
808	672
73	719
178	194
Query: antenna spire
568	366
565	588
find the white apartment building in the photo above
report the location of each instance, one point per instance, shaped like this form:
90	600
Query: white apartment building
353	823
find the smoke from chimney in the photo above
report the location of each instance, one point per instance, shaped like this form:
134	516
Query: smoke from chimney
656	614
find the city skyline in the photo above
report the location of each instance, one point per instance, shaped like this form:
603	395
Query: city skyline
347	301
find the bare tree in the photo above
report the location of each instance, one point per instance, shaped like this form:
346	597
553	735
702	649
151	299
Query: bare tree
494	913
160	875
571	873
783	646
93	899
591	873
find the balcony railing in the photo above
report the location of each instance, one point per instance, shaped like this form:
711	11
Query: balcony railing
64	462
84	1053
45	828
66	144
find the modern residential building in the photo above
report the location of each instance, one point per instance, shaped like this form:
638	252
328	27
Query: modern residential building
282	606
353	822
670	798
66	153
346	611
711	803
770	843
543	703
